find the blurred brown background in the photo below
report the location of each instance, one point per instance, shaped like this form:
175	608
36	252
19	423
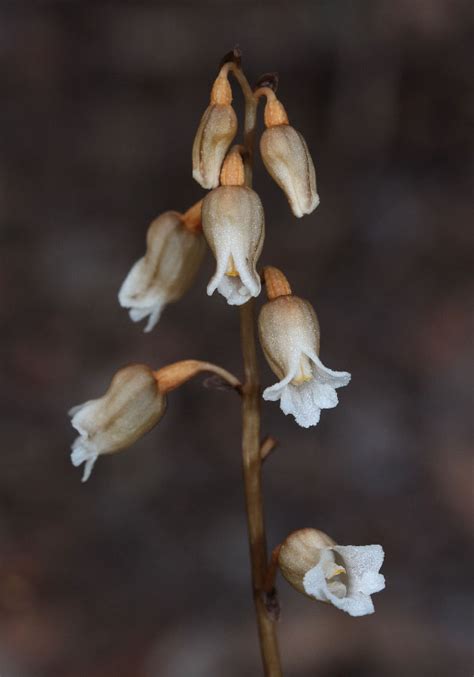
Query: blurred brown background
143	571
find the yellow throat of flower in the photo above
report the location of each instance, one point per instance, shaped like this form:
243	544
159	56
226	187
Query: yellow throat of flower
305	373
231	269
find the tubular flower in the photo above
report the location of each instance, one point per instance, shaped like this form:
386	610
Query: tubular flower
289	335
132	405
215	133
233	223
287	159
343	575
173	256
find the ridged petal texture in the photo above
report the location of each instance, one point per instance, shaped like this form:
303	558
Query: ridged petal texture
167	270
215	133
286	157
234	226
130	408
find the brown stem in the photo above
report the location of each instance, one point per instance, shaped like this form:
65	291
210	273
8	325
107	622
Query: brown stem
252	462
268	444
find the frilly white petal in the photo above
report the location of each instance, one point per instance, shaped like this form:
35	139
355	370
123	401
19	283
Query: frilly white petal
305	401
362	564
336	379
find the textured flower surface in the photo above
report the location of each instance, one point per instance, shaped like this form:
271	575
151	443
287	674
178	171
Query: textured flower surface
287	158
289	335
213	138
233	223
167	270
129	409
347	576
343	575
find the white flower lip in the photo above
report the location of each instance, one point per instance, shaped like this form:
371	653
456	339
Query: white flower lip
304	401
166	271
233	223
349	582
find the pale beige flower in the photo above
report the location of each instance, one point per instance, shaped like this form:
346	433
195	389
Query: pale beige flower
234	225
131	406
343	575
173	256
290	336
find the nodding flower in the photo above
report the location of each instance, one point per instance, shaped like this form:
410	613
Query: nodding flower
132	405
175	249
234	226
290	337
287	158
343	575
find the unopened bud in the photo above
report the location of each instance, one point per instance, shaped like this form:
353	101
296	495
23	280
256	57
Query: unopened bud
215	133
132	405
175	249
287	159
289	335
234	225
344	576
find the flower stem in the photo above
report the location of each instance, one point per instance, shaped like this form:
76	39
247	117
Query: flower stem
252	467
251	456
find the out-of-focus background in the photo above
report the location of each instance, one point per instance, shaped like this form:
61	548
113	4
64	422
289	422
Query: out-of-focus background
143	571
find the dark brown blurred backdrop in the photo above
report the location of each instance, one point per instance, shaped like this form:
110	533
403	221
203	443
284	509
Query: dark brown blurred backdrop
143	571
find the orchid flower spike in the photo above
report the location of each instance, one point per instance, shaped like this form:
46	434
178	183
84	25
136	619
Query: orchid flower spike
287	158
343	575
132	405
289	335
175	249
215	133
233	224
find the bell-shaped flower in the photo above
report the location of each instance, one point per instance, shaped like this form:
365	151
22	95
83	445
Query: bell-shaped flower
234	225
343	575
289	335
215	133
132	405
175	249
287	159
